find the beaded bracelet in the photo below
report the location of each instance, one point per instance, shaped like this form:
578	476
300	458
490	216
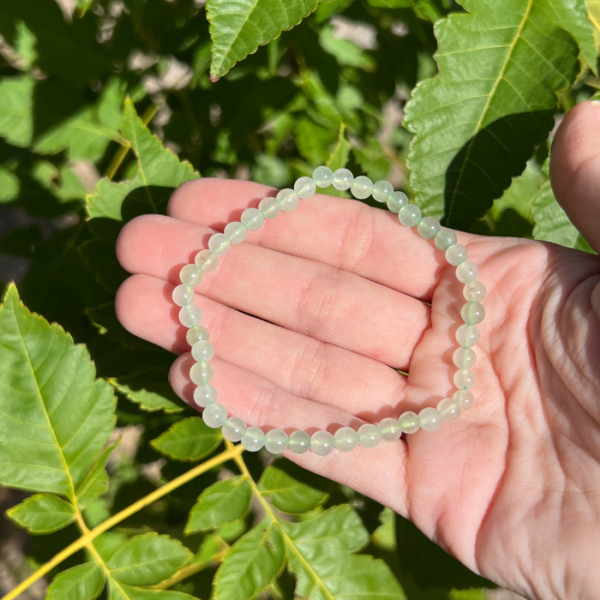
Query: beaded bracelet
346	438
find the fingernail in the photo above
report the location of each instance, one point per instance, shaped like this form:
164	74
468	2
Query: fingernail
596	107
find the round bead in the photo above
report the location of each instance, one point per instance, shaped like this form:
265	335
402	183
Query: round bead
456	254
219	243
467	335
288	199
474	291
465	399
190	275
409	215
342	179
276	441
361	187
390	430
201	373
214	415
430	419
305	187
234	429
183	295
190	315
323	177
369	435
299	442
428	227
207	260
444	238
449	408
464	358
195	334
464	379
322	443
396	200
203	350
346	439
472	313
252	219
235	232
467	271
254	439
269	208
205	394
382	190
409	422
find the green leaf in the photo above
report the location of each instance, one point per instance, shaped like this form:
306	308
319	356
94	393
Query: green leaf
96	482
345	51
42	513
252	564
84	582
238	29
478	122
120	591
341	152
188	439
83	6
16	105
313	141
9	185
56	416
150	390
222	502
148	559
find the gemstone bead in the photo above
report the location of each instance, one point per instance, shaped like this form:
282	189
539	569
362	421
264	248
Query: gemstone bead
202	372
219	243
190	275
472	313
299	442
205	394
203	350
235	232
464	379
396	201
361	187
183	295
409	422
467	271
254	439
196	333
305	187
382	190
190	315
207	260
456	254
269	208
474	291
449	408
288	199
322	443
465	399
369	435
428	227
390	429
346	439
342	179
467	335
409	215
214	415
464	358
444	238
323	177
234	429
252	219
430	419
276	441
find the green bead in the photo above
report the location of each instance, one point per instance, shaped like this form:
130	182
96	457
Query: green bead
288	199
464	358
219	243
369	435
299	442
390	429
203	351
396	201
235	232
342	179
456	254
252	219
409	422
428	227
190	275
474	291
322	443
196	333
207	260
409	215
465	399
467	335
204	395
449	408
190	315
269	208
444	238
183	295
305	187
467	271
382	190
472	313
346	439
254	439
323	177
361	187
464	379
214	415
234	429
276	441
430	419
201	373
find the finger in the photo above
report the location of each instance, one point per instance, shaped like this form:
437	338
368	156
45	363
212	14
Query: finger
343	233
575	169
303	295
299	364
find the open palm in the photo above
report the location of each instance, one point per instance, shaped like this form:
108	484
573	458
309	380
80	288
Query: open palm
313	314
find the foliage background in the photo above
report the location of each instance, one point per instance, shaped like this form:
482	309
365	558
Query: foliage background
335	86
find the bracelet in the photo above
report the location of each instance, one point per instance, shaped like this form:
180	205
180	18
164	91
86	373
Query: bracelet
345	439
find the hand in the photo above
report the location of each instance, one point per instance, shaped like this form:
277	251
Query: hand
338	292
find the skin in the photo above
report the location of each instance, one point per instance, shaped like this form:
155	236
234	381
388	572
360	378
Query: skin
337	290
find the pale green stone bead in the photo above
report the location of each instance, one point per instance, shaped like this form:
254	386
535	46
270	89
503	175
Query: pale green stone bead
409	215
276	441
466	272
288	199
190	275
474	291
449	408
472	313
369	435
196	333
234	429
428	227
203	351
382	190
342	179
430	419
322	443
183	295
465	399
305	187
390	429
409	422
464	358
323	177
456	254
214	415
204	395
444	238
361	187
464	379
207	260
346	439
467	335
396	201
269	208
190	315
235	232
201	373
254	439
299	442
219	243
252	219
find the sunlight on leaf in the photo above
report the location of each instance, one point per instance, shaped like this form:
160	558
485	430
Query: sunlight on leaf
42	513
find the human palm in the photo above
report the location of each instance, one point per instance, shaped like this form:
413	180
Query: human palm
312	315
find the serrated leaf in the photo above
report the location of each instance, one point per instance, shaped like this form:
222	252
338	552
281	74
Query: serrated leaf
56	416
252	564
148	559
150	390
96	481
188	439
478	122
84	582
120	591
222	502
42	513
